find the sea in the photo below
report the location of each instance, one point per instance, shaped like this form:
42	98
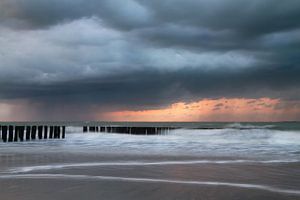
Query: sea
197	160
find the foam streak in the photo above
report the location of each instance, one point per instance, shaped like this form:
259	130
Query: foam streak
187	162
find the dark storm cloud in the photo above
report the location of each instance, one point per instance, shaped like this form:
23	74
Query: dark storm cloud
41	14
146	89
144	54
248	18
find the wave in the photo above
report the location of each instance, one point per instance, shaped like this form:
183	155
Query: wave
74	129
161	163
248	126
150	180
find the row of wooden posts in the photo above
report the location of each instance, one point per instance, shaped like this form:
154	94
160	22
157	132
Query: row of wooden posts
20	133
10	133
128	130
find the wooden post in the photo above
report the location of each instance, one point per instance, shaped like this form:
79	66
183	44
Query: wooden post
63	132
85	129
10	133
51	132
28	130
55	132
102	129
33	132
151	131
92	129
58	132
40	132
21	133
45	132
4	133
16	133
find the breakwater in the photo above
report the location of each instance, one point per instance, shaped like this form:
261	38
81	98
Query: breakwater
19	133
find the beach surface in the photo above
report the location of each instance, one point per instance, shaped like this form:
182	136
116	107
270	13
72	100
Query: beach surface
222	164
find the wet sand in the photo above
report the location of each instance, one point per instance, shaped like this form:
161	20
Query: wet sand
121	176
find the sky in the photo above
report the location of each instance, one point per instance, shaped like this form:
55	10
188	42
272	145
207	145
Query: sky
150	60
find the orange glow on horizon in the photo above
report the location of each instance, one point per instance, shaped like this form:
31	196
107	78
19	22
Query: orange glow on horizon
224	109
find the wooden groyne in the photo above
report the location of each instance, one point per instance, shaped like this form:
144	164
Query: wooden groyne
20	133
128	130
10	133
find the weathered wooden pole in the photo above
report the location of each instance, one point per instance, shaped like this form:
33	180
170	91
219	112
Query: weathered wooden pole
21	133
55	132
16	133
33	132
58	132
28	130
85	129
102	129
45	132
51	132
10	133
63	132
109	129
40	132
92	129
4	133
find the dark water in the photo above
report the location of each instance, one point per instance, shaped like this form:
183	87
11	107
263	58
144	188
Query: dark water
233	161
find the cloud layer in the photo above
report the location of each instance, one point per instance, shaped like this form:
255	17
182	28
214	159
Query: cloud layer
135	54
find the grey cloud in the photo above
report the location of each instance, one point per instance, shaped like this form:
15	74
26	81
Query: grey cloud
57	54
144	90
40	14
248	17
139	54
153	88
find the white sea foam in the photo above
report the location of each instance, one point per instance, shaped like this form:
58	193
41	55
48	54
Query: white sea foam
248	126
253	144
139	163
150	180
74	129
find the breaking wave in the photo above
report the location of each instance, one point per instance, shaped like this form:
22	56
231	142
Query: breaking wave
248	126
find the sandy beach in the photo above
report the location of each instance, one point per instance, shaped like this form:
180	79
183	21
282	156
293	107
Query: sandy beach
185	164
99	176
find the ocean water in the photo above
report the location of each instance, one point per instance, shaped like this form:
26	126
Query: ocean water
197	161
